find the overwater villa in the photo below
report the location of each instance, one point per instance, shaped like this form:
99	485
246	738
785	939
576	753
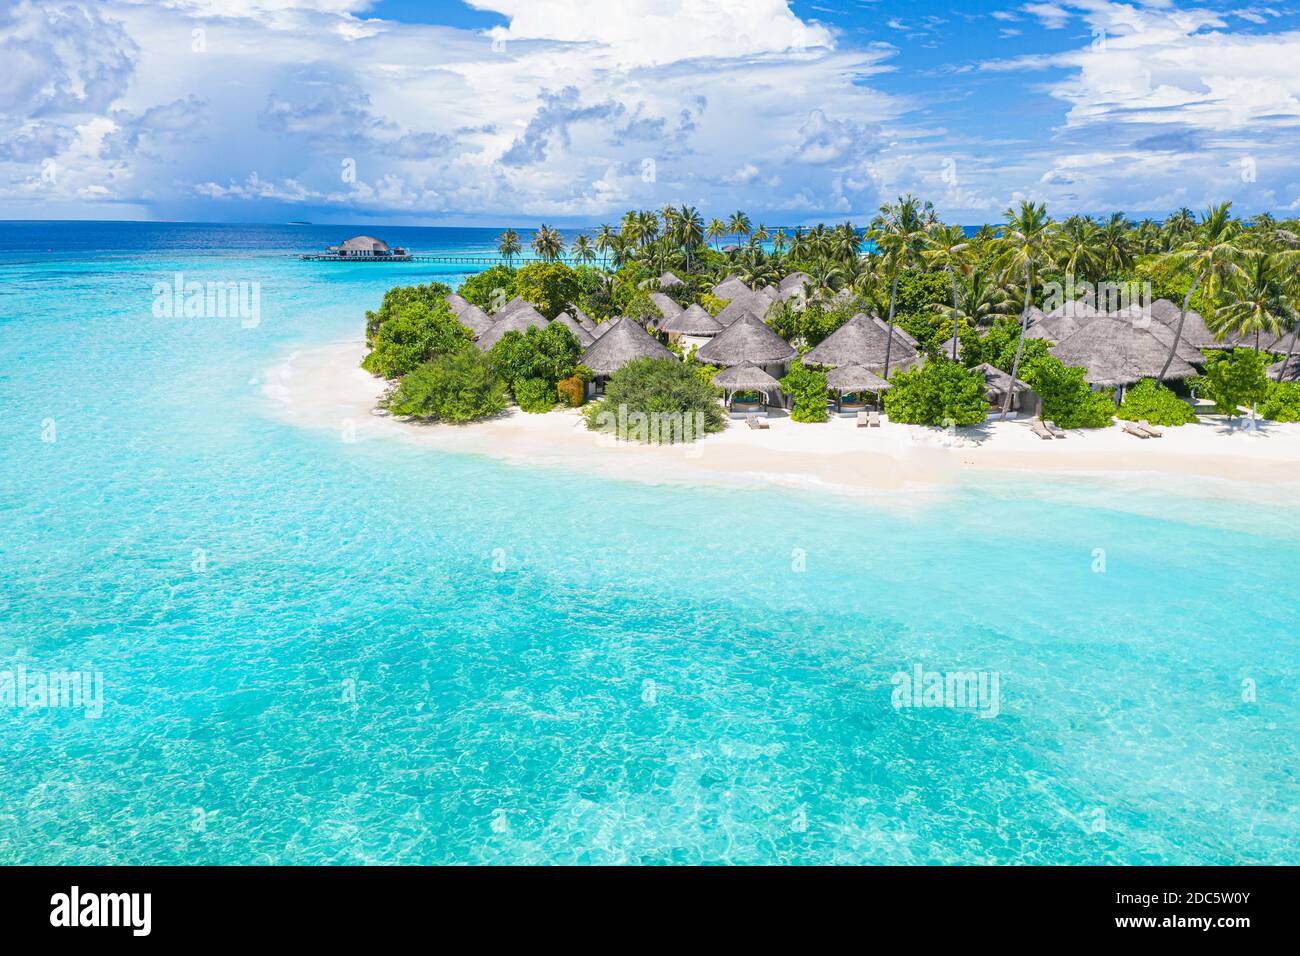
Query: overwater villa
623	341
367	247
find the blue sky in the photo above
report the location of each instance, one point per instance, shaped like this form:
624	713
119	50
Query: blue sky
571	111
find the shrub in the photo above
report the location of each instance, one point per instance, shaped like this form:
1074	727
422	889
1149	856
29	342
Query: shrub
808	389
1231	381
549	353
549	286
1282	403
535	395
459	387
657	400
415	334
1149	402
712	304
397	299
1068	399
490	288
572	391
939	393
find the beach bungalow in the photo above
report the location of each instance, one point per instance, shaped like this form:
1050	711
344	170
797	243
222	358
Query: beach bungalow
457	303
474	319
946	346
584	337
1081	310
669	281
1053	328
794	284
731	288
517	320
755	303
518	302
856	388
749	340
582	317
862	341
1024	400
691	328
1115	353
666	306
1195	332
623	341
748	390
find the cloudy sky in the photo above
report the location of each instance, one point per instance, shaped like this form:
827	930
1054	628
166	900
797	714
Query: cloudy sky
571	111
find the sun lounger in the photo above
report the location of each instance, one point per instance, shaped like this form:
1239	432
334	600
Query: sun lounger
1135	431
873	419
756	422
1151	432
863	420
1039	429
1056	432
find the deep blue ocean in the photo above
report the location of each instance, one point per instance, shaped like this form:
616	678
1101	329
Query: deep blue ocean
314	651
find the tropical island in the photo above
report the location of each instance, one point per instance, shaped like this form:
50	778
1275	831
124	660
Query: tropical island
668	330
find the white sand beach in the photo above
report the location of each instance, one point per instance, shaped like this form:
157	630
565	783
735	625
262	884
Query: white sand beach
324	388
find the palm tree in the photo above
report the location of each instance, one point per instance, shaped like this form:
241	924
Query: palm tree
605	237
901	231
1024	242
778	241
946	248
548	243
1077	247
715	230
983	296
690	231
1116	257
582	250
509	246
760	235
1210	253
1256	299
739	224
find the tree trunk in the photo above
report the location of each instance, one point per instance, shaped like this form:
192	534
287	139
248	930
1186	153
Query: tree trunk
952	275
1289	352
889	344
1178	332
1020	346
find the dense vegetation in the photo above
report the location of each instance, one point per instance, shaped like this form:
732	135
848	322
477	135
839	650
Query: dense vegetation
656	400
459	387
940	393
1154	404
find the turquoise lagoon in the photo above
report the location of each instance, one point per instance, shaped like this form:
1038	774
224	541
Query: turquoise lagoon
315	651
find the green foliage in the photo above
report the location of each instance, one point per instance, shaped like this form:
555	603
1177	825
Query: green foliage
550	354
535	395
657	400
458	387
1282	403
921	292
397	299
1068	399
939	393
810	324
416	333
808	389
712	304
997	347
1155	404
491	288
549	286
1232	380
705	374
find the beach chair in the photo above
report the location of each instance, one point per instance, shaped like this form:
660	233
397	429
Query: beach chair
1151	432
1039	429
1134	430
1056	432
756	422
873	419
863	420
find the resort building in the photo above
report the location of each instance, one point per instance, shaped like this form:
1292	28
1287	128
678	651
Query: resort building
367	247
1024	400
1115	353
691	328
474	319
863	341
855	388
516	320
620	343
730	288
584	337
748	390
751	341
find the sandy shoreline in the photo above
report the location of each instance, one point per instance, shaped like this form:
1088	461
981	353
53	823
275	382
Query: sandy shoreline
324	388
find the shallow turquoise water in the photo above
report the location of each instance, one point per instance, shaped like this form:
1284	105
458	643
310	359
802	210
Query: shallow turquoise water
556	668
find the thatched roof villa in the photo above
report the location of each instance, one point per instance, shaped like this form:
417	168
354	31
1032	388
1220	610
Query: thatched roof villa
1195	332
584	337
665	305
516	320
474	319
1113	352
744	378
367	247
996	385
619	344
518	302
457	303
793	284
856	381
862	341
669	281
730	288
694	321
1287	370
748	340
750	302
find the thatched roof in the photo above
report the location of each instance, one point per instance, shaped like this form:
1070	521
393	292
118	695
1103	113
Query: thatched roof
854	378
692	321
861	341
792	283
747	378
364	244
518	302
518	320
1054	328
668	280
603	327
750	302
1190	355
1195	332
474	319
771	291
664	304
457	303
622	342
1114	352
1078	309
899	333
747	339
945	347
584	337
1286	370
731	287
583	318
999	381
